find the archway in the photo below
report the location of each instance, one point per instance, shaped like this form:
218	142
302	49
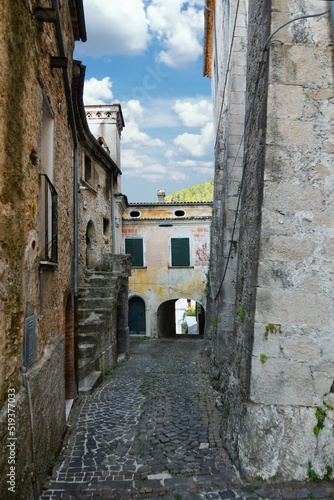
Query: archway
178	317
90	245
70	384
137	319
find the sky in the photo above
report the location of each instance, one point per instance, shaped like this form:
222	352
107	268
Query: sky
147	55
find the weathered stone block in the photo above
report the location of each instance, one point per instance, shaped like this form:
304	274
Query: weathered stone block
292	197
279	441
281	382
300	348
291	307
285	101
286	248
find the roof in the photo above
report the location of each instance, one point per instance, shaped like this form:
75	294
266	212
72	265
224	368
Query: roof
208	37
87	139
170	203
78	20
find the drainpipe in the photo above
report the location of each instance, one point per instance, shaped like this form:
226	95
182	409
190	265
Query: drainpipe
55	5
71	116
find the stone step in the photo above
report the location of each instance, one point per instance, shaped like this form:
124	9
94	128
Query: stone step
101	279
89	327
96	291
87	337
86	350
88	384
95	303
92	316
85	366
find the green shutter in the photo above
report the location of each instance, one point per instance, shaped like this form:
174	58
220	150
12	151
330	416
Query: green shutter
180	252
134	247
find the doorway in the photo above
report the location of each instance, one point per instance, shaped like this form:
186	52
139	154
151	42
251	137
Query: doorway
137	319
181	317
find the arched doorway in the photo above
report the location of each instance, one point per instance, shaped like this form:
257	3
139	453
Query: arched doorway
90	245
137	319
181	316
70	385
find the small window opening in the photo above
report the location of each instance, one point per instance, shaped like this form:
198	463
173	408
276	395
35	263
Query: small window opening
88	169
106	226
134	213
179	213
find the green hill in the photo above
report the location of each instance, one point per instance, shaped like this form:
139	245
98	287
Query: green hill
199	192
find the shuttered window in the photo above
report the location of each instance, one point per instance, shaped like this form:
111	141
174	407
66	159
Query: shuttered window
134	247
180	252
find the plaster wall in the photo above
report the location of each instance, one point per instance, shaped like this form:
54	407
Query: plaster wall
157	282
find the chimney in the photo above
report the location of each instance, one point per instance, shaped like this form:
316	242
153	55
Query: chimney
161	195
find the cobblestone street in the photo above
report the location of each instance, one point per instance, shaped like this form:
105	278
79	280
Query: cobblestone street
152	430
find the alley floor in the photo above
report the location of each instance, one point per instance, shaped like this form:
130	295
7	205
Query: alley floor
151	430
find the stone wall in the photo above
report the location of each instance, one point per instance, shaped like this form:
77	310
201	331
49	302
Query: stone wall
29	88
292	353
275	370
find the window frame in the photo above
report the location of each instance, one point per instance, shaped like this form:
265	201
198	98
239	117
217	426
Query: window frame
180	257
137	260
50	220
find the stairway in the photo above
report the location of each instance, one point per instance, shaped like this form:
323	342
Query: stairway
96	305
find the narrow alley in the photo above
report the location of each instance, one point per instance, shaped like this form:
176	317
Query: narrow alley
151	430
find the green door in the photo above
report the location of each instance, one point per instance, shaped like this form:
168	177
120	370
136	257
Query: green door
137	322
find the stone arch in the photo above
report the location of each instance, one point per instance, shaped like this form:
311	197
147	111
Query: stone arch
167	319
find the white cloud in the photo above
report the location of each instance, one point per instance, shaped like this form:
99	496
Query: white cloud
142	166
127	27
98	91
134	136
178	26
134	116
196	145
115	27
193	113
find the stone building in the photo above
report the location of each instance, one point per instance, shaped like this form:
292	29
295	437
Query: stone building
270	307
63	280
38	160
169	243
103	271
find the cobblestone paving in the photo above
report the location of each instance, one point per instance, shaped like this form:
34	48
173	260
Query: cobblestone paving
151	431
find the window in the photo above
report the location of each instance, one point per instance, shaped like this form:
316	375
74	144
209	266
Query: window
134	247
48	194
180	252
50	220
88	169
106	226
179	213
134	213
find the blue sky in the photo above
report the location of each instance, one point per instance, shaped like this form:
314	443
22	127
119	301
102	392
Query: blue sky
147	55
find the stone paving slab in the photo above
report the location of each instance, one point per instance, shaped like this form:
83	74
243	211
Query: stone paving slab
152	430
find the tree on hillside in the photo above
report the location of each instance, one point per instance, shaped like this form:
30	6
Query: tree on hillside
199	192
